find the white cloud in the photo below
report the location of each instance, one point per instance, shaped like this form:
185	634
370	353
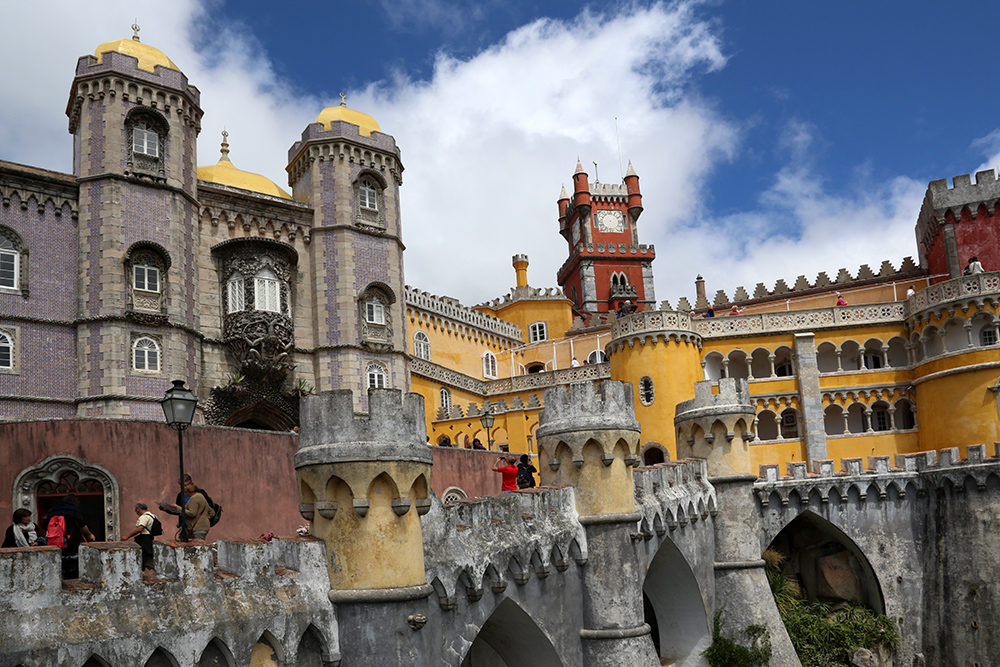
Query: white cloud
487	141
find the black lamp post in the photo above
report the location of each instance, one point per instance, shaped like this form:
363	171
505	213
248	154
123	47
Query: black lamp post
178	407
487	421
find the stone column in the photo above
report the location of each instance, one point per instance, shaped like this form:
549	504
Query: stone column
364	483
952	260
810	398
589	440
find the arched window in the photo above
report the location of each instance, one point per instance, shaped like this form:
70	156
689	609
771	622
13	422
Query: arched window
236	294
10	263
538	331
445	399
146	265
489	365
376	317
880	418
376	376
145	354
267	291
421	346
367	195
147	133
145	140
597	357
6	352
646	393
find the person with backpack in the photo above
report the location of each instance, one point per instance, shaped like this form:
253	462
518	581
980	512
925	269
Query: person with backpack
147	526
198	511
65	528
525	473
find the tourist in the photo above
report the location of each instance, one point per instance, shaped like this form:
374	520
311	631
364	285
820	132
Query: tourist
709	313
575	363
973	267
476	444
508	472
840	300
74	531
525	473
143	535
734	311
22	533
910	291
197	511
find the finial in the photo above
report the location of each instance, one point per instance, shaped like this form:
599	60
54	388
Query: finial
135	30
225	146
343	99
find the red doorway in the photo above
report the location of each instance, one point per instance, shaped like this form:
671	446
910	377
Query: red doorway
89	491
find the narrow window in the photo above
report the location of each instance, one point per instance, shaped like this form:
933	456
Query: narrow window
367	196
9	263
147	278
646	394
374	311
489	365
880	419
988	336
6	352
421	346
445	399
376	376
145	141
267	292
145	355
537	332
236	294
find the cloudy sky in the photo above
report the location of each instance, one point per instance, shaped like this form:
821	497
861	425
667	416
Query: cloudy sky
771	138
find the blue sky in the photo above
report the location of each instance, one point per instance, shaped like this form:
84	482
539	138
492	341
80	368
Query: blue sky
772	139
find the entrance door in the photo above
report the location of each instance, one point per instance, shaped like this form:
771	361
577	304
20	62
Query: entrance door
89	491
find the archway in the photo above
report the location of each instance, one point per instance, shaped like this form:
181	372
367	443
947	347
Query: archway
827	564
676	609
510	637
216	654
38	488
261	416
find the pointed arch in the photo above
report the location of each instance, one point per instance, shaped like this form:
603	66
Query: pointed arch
511	635
267	651
161	658
216	654
675	606
312	651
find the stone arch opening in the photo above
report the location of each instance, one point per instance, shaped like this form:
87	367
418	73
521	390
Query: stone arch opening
261	416
827	564
39	488
216	654
266	652
311	651
511	637
161	658
676	608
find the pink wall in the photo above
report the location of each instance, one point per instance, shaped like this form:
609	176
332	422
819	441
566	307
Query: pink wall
469	469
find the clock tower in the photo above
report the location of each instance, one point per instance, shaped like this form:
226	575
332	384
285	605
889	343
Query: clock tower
607	265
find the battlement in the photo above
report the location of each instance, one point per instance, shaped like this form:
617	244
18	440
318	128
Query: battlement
733	397
581	407
940	198
525	294
607	191
642	250
328	418
673	495
450	308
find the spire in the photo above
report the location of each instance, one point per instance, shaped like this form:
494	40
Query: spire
563	194
579	166
225	147
135	31
631	171
343	99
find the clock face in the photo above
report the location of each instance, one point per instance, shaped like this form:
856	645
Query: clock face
609	221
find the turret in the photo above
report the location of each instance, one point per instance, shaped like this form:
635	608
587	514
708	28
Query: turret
563	206
634	195
520	263
717	427
581	192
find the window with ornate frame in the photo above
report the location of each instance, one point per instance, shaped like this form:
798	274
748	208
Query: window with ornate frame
421	346
647	391
267	291
145	354
235	294
538	331
376	317
376	376
147	135
489	365
6	352
146	265
369	192
13	262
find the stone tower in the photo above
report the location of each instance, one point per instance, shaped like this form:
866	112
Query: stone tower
589	440
364	484
607	266
135	120
349	171
717	427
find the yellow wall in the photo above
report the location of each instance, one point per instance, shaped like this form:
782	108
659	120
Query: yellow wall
959	409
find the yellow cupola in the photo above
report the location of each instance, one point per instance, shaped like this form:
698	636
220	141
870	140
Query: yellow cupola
225	173
366	124
148	56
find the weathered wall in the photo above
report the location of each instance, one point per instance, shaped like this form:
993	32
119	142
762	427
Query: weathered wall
468	469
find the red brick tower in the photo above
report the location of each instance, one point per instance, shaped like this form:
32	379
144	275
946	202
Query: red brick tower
606	264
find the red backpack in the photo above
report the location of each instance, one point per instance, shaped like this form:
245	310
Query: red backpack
55	533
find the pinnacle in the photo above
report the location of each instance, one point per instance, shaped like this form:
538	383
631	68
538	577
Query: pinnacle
631	171
579	166
563	194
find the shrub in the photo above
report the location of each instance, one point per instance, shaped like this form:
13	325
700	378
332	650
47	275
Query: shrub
724	652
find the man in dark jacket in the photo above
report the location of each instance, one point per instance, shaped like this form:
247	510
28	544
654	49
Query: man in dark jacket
76	531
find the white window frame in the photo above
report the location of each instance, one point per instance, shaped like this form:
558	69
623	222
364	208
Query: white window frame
6	349
445	394
267	292
538	332
145	141
597	357
374	311
422	346
376	376
11	254
147	272
146	344
236	294
489	365
367	196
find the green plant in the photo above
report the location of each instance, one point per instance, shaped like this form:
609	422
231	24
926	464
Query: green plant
822	637
787	594
302	388
236	379
724	652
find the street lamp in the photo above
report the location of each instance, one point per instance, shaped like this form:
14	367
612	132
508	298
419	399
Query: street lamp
487	421
178	407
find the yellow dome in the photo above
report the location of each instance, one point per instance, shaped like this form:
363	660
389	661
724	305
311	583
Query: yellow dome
148	56
225	173
366	124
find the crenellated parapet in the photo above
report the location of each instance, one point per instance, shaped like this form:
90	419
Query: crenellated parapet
364	482
941	202
671	496
650	326
450	315
717	427
944	299
489	544
276	588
